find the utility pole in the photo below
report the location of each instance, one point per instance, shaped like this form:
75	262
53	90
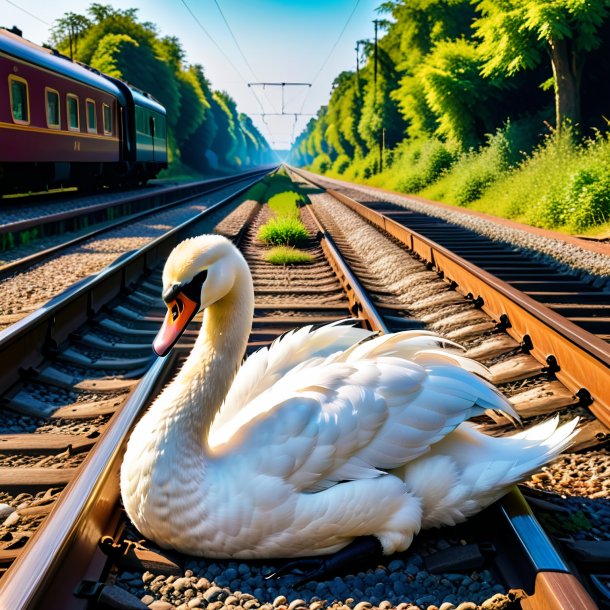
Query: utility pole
375	105
358	43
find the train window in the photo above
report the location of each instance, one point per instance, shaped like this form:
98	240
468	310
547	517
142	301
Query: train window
107	119
91	118
20	103
52	103
73	120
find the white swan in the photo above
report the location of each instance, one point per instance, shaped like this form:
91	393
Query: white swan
319	439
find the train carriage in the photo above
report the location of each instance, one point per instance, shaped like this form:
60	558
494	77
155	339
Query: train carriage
63	123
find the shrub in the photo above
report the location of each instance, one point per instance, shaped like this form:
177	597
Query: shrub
284	231
424	165
342	162
475	171
321	164
285	255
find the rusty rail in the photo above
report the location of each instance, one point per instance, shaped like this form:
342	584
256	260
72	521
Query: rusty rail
578	359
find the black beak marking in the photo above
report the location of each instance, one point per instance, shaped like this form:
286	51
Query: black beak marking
191	289
170	294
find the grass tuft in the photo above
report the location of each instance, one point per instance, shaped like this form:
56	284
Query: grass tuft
286	255
283	231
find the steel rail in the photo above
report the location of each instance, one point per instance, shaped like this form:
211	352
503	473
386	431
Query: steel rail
567	585
68	538
190	188
556	588
360	302
580	360
24	345
176	192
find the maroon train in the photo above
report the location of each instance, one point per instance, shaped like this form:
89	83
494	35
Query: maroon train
62	123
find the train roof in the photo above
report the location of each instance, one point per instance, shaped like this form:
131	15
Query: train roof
142	99
23	49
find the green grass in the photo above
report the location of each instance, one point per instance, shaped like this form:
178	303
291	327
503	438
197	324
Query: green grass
285	227
284	231
557	181
286	255
285	204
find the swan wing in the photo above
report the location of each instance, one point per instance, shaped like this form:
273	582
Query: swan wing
267	365
344	417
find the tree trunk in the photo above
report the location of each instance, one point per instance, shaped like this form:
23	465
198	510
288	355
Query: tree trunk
567	73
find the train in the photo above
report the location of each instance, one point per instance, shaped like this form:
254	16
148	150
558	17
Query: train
65	124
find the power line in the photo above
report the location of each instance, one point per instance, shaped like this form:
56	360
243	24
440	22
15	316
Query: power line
332	50
188	8
28	13
235	40
243	55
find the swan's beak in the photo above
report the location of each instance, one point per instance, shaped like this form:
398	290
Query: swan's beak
180	311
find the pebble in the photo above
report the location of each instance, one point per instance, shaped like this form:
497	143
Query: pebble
12	519
6	510
161	605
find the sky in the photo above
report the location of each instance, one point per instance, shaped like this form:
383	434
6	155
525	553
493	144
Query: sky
308	41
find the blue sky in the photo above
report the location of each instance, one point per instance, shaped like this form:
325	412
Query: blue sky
282	42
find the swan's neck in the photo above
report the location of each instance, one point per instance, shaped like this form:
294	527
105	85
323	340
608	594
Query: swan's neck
191	401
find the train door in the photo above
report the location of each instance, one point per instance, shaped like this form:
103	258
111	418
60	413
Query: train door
151	130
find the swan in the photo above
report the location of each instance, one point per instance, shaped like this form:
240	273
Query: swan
328	435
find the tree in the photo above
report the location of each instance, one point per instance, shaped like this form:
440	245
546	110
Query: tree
69	28
515	35
460	98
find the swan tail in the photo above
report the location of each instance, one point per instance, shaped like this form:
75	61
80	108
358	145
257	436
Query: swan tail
468	470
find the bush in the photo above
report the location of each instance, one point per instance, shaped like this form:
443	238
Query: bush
420	166
475	171
321	164
284	231
563	184
342	162
285	255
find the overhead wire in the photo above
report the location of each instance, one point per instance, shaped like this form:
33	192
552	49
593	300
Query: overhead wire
328	56
28	13
243	55
332	50
204	30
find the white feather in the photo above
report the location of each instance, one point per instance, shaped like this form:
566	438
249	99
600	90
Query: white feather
328	434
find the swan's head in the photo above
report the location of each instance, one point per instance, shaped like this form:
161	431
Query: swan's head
199	271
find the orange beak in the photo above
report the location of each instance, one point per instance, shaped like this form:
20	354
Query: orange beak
180	311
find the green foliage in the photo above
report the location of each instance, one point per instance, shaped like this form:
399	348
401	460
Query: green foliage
193	105
203	127
284	231
517	35
286	255
341	163
419	166
563	184
475	171
285	227
321	164
456	93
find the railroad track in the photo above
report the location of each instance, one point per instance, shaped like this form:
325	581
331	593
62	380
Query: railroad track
123	315
115	211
